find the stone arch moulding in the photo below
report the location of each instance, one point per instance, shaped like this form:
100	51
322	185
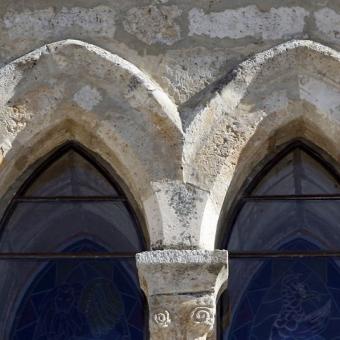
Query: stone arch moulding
287	92
71	90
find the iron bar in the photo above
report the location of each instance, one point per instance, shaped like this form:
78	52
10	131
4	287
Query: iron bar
293	197
65	256
277	254
97	256
70	199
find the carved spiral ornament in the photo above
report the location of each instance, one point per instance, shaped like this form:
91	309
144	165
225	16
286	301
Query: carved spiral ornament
162	319
203	315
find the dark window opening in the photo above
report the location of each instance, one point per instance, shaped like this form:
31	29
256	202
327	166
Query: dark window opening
68	245
284	280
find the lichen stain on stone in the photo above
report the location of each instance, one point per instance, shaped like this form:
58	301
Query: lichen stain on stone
183	201
133	84
153	24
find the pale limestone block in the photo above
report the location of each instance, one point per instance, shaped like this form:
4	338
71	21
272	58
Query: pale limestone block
182	287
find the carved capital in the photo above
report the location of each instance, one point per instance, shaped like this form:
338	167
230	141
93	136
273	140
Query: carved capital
182	287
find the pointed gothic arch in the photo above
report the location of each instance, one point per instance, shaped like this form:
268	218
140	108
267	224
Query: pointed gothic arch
283	225
71	200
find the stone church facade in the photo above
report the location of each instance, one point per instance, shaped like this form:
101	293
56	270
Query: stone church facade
185	101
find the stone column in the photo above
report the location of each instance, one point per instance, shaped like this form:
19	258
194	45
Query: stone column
182	287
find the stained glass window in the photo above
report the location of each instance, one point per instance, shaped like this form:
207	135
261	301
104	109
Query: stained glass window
287	298
72	206
290	209
83	300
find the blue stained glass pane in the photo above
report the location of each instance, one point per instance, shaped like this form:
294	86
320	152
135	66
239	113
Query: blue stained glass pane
82	300
299	298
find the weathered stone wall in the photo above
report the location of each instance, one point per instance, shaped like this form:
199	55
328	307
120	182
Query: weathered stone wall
183	45
184	99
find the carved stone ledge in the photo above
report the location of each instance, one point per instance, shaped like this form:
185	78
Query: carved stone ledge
182	287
